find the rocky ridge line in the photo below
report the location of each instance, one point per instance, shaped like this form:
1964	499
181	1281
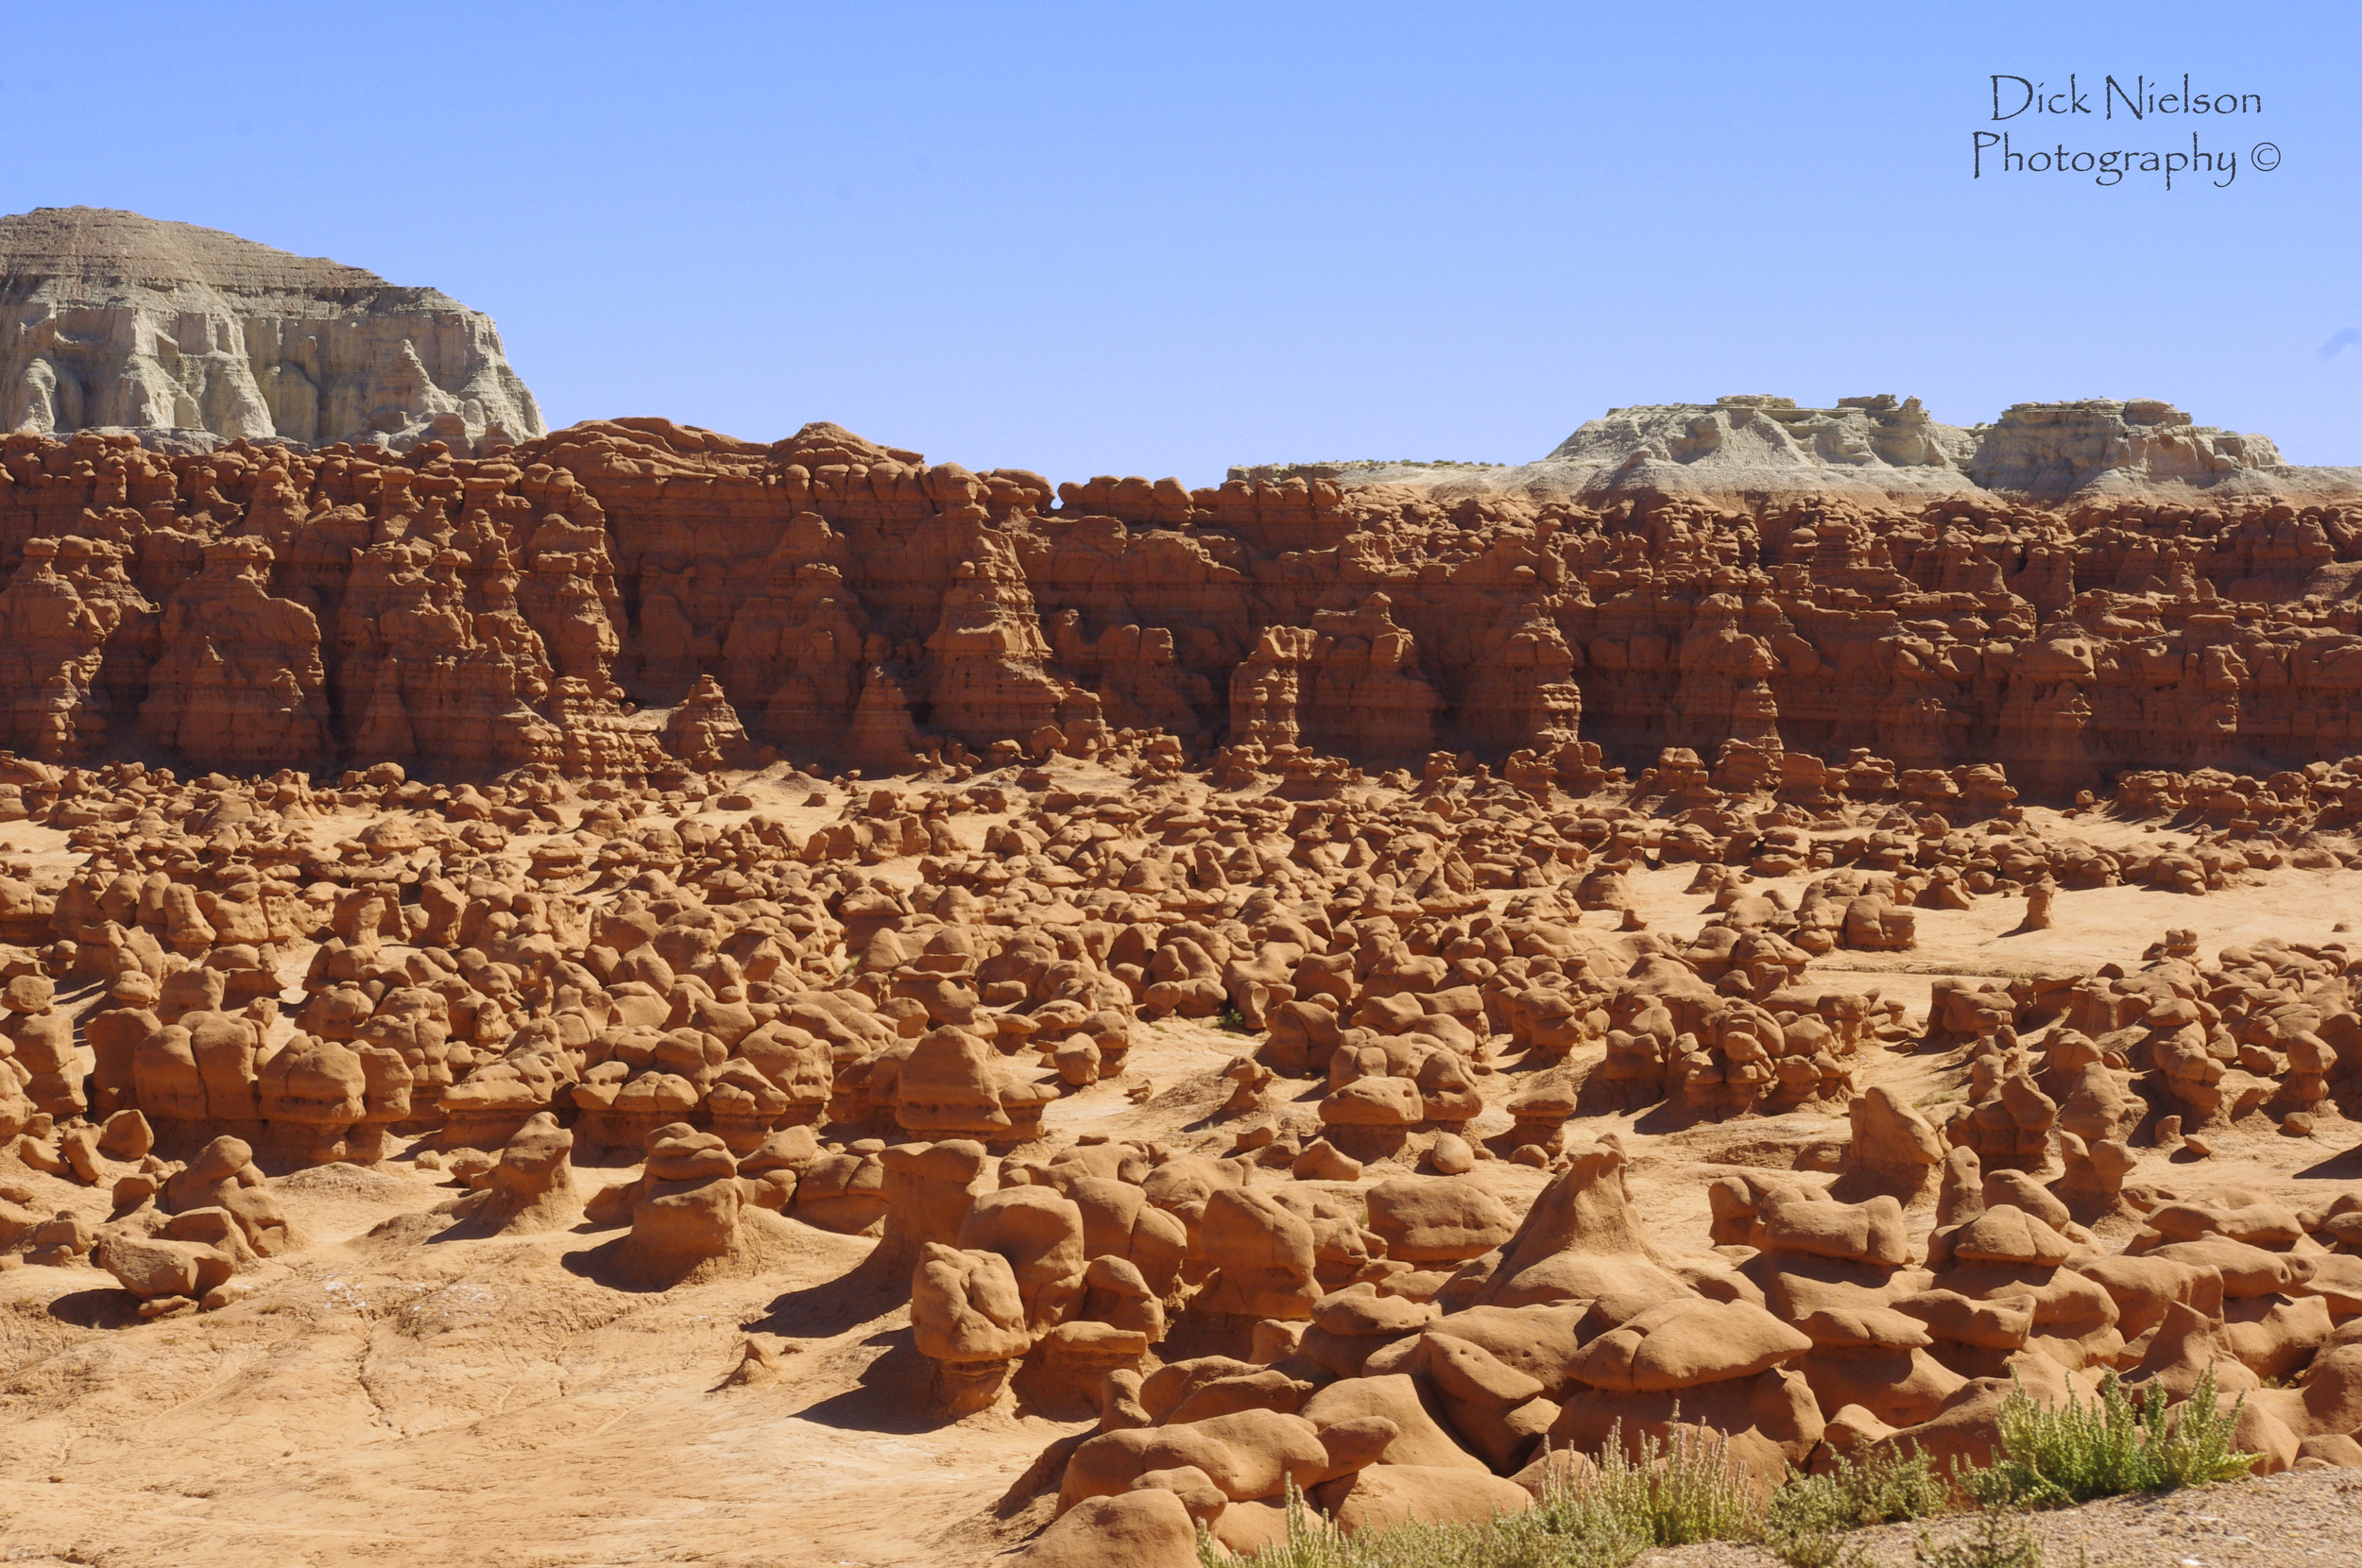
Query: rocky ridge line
829	600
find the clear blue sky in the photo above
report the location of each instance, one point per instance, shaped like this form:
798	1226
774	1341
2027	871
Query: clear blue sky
1130	239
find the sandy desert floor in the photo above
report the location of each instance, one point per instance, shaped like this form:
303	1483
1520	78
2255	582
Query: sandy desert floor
384	1395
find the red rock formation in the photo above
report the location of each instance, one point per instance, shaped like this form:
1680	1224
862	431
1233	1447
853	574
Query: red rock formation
1523	691
704	730
52	646
240	681
262	606
988	662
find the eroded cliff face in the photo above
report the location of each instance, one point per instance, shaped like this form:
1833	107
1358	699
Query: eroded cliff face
851	604
119	321
2057	449
1873	451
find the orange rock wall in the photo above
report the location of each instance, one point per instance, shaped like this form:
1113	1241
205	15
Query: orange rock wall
258	607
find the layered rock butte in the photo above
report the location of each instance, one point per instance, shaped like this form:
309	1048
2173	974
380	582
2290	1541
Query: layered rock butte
189	336
587	997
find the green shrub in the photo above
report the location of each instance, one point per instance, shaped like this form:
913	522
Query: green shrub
1512	1541
2076	1452
1880	1489
1823	1546
1809	1518
1671	1494
1999	1539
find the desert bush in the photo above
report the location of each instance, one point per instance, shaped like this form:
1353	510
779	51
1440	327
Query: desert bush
1810	1517
1509	1540
1999	1539
1669	1494
2072	1453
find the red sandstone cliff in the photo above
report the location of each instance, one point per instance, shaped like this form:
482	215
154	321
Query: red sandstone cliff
259	606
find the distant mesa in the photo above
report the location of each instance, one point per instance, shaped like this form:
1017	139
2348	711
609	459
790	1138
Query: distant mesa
191	338
1762	447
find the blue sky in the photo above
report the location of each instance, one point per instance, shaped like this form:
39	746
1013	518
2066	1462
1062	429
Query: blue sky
1135	239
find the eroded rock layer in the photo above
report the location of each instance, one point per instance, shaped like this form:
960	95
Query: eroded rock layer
1875	450
187	334
832	600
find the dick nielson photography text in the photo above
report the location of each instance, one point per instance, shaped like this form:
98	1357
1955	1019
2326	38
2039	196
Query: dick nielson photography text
2220	125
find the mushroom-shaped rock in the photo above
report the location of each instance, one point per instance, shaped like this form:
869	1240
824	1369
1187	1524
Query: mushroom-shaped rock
771	1170
1383	1496
1261	1255
845	1190
312	1092
1247	1455
688	1204
1684	1343
2005	1234
1539	1111
1070	1364
1150	1527
1871	1231
530	1187
951	1087
1040	1234
224	1176
967	1318
485	1109
1378	1102
156	1268
1446	1220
